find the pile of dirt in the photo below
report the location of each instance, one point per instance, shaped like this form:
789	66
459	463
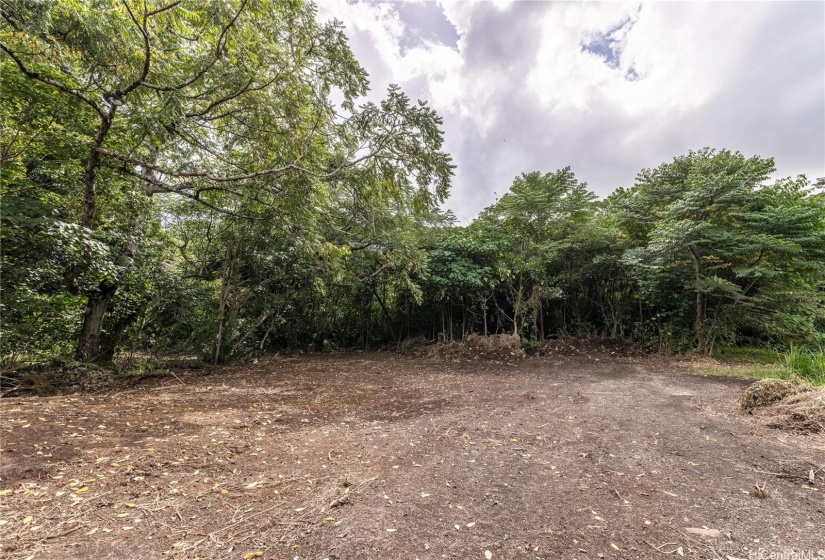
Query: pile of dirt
497	347
56	377
767	392
413	343
584	347
802	412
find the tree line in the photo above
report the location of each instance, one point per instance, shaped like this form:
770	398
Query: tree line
176	177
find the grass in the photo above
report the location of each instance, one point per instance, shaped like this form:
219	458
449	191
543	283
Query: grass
745	371
748	354
807	363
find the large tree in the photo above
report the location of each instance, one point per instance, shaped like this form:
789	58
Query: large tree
546	216
746	251
223	103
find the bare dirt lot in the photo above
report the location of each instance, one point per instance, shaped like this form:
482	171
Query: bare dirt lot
378	455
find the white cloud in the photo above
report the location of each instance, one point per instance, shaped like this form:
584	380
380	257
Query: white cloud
518	92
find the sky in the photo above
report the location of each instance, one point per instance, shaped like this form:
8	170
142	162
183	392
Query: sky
607	88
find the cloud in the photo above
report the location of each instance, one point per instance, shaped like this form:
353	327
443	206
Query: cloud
607	88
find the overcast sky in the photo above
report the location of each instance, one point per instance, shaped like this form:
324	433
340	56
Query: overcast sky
607	88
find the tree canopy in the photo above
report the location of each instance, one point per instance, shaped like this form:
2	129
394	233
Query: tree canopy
182	176
227	105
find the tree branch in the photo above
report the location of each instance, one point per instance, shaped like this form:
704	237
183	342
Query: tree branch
218	48
147	51
65	88
163	8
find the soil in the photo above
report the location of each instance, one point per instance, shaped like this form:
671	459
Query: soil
381	455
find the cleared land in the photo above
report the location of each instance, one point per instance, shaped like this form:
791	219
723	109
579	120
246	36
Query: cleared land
378	455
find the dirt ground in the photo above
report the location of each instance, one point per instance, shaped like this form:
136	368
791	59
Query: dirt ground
386	456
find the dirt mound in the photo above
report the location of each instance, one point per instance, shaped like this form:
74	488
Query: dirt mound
495	341
802	412
766	392
56	377
411	343
584	347
497	347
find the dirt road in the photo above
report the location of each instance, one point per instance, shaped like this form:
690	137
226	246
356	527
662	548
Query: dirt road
377	455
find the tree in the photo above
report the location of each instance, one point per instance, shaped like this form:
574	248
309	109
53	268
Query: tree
744	249
189	98
543	215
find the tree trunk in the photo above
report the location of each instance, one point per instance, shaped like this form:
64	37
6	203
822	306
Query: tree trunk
541	322
516	310
89	348
226	278
387	317
443	326
699	325
110	343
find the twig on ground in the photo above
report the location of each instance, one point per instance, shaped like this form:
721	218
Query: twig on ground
661	546
246	519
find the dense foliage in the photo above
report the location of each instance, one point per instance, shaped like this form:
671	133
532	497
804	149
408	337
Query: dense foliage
177	178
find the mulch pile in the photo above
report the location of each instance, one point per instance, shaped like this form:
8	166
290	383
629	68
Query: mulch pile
497	347
789	405
804	412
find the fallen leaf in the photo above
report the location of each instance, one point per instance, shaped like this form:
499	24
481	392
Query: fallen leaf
8	491
256	554
615	546
130	506
680	552
488	554
84	489
473	524
423	494
27	520
224	491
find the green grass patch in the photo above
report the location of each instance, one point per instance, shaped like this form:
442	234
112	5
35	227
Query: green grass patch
807	363
748	354
745	371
